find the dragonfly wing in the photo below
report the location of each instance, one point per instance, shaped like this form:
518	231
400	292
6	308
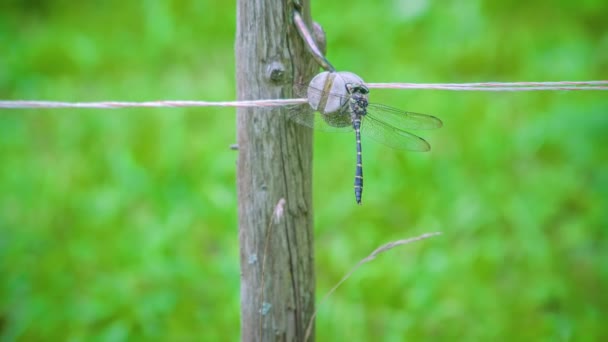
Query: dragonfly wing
392	136
304	115
402	119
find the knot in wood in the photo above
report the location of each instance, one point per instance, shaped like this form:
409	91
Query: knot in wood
275	72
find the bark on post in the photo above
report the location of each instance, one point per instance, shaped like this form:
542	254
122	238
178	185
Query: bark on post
274	162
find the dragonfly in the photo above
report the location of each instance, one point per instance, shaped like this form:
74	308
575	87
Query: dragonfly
352	112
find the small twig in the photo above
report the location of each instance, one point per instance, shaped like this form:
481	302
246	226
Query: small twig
309	41
369	258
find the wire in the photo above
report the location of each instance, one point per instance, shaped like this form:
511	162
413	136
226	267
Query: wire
485	86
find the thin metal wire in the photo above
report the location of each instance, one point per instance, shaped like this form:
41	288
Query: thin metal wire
485	86
514	84
498	86
153	104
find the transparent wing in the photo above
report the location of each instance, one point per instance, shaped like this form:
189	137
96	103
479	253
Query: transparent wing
402	119
382	123
392	136
304	115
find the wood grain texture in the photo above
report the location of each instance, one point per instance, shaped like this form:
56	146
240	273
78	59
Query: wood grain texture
275	161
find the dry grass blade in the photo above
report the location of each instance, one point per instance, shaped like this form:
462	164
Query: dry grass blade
369	258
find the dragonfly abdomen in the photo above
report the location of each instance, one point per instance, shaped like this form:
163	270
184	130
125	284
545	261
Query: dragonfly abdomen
359	168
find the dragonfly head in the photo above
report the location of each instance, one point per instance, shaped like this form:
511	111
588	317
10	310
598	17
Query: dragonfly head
358	97
357	88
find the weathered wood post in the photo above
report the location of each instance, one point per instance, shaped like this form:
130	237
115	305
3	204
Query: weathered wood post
274	162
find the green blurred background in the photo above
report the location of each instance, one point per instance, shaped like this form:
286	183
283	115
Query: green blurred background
121	224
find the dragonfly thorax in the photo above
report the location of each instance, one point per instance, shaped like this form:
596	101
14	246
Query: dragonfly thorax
358	100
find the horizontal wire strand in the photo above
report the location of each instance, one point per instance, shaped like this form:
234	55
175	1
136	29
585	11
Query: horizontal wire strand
498	86
485	86
150	104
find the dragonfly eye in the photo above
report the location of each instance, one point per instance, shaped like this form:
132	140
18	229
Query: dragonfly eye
357	88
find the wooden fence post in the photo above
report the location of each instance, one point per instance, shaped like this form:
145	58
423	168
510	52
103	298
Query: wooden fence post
274	163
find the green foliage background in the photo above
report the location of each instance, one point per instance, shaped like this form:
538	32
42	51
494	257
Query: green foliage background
121	224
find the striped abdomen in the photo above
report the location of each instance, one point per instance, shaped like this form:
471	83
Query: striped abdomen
359	168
